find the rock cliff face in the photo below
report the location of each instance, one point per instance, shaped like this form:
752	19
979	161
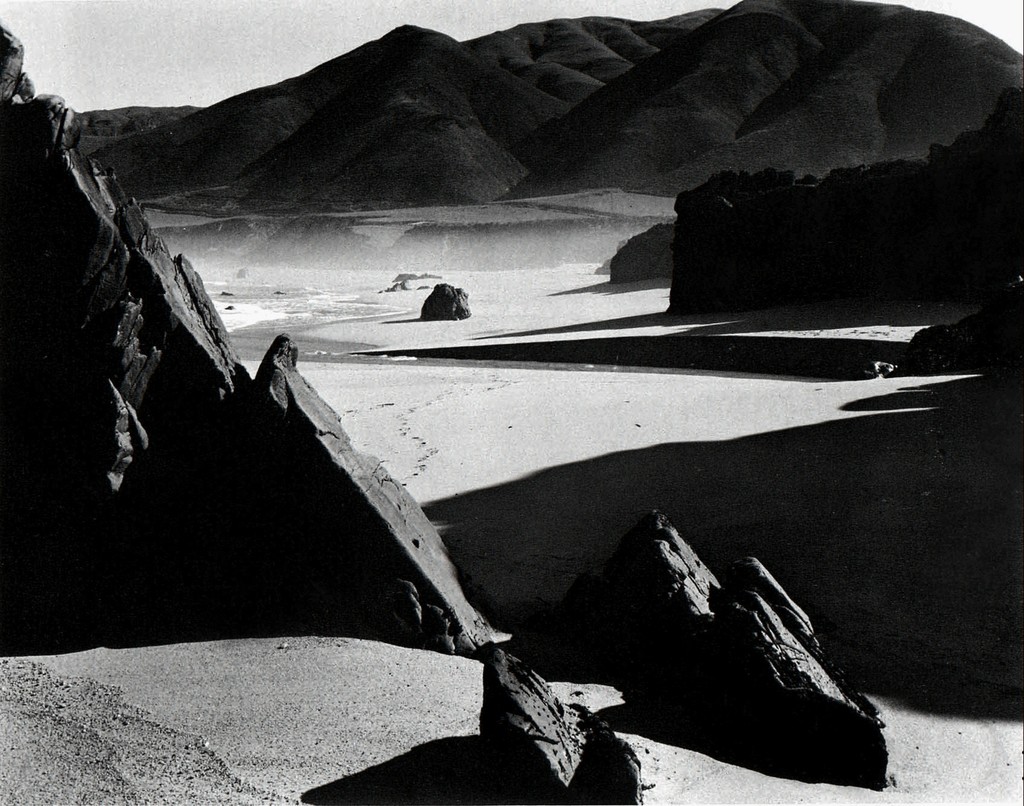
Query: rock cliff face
738	660
948	228
149	489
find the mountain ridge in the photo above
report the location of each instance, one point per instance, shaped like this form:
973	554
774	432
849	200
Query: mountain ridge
417	118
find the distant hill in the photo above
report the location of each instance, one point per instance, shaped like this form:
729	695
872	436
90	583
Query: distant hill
416	118
806	85
412	118
101	127
570	59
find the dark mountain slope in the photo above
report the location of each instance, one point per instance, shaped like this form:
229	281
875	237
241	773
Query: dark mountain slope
800	84
413	110
432	127
570	59
101	127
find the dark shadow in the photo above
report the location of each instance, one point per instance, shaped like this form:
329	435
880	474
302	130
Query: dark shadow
846	314
607	287
838	359
621	323
402	321
899	532
452	771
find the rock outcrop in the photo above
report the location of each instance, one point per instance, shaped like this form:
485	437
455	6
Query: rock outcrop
445	302
546	751
740	659
947	228
647	256
151	490
993	337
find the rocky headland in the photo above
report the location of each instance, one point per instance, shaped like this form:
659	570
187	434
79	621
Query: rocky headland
948	228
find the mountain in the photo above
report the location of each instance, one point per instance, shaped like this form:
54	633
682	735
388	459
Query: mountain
100	127
414	117
417	118
571	58
805	85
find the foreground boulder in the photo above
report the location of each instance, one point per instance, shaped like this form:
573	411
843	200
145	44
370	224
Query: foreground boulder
547	752
993	337
946	228
445	302
150	490
737	664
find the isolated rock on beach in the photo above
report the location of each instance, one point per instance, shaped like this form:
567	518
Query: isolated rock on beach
993	337
739	658
445	302
547	751
646	256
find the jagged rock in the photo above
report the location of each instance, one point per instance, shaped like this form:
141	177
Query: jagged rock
149	489
26	89
385	535
879	369
445	302
609	770
739	660
748	574
772	699
653	586
547	751
12	55
993	337
401	285
948	228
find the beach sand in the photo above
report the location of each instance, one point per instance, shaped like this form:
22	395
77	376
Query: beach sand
890	509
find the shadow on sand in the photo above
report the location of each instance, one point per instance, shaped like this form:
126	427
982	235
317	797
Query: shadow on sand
838	359
898	531
453	770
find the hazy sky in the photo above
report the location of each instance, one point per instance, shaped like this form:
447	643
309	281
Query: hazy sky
110	53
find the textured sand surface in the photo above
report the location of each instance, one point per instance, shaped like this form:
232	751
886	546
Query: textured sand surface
890	509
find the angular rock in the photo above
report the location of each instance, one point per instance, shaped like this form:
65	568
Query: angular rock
739	660
12	55
445	302
653	588
149	489
774	701
993	337
546	751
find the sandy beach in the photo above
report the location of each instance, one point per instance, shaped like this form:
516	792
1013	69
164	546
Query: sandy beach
890	509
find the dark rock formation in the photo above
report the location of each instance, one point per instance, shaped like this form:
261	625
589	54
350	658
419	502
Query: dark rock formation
445	302
653	586
547	751
647	256
948	228
993	337
740	660
149	489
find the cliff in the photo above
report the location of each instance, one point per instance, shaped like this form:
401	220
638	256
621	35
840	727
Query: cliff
945	228
150	490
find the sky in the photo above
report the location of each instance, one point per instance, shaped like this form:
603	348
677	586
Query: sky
102	54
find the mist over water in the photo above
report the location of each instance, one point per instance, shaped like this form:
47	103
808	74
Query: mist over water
311	269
